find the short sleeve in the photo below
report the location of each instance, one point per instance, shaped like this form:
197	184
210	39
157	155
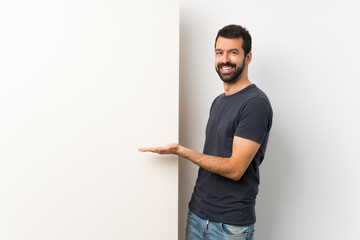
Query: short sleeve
254	120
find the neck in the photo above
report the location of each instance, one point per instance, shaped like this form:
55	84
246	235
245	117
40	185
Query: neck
241	83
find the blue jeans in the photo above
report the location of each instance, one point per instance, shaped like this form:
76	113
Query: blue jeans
201	229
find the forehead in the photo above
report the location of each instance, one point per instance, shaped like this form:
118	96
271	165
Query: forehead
229	43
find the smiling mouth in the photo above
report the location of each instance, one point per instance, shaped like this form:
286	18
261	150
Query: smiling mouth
226	69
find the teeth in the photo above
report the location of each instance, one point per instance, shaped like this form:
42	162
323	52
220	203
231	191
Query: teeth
226	68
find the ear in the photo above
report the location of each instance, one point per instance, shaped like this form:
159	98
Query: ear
248	58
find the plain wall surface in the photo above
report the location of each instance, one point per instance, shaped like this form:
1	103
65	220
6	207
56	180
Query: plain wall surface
83	85
306	57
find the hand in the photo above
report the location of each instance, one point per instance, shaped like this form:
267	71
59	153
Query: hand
171	148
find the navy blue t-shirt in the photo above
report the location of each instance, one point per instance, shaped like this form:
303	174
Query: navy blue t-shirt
245	114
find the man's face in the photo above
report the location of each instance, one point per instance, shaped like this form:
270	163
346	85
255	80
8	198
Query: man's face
229	59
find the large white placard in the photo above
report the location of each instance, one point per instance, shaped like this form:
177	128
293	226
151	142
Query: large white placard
83	85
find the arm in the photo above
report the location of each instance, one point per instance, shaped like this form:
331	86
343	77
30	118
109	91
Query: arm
234	167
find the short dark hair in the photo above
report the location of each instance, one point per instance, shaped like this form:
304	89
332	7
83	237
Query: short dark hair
236	31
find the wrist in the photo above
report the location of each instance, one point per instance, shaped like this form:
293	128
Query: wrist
179	150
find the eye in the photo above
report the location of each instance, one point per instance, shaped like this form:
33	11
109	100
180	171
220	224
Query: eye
234	52
218	53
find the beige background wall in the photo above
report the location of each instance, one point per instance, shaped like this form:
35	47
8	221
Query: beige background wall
83	85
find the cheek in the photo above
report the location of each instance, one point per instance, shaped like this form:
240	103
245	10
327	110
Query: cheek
236	61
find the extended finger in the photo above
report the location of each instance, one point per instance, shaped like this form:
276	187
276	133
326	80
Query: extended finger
149	149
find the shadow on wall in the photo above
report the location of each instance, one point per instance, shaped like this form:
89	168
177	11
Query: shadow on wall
275	174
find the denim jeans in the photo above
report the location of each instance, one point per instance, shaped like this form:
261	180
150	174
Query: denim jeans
201	229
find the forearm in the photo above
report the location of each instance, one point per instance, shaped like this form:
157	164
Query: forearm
233	167
219	165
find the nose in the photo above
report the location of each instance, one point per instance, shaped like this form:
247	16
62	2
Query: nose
226	57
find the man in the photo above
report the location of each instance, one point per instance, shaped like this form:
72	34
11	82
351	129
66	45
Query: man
223	202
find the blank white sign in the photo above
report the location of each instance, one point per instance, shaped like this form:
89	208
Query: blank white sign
83	85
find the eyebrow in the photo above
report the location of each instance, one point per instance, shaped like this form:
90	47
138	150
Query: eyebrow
233	49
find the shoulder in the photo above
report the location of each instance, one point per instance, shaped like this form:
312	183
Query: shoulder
219	97
217	100
256	106
255	97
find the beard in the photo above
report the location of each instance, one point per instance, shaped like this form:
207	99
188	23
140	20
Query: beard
230	77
